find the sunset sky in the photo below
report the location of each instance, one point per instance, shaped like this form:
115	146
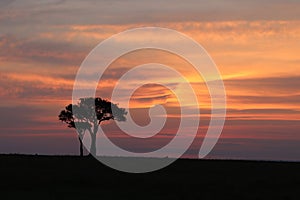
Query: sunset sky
255	44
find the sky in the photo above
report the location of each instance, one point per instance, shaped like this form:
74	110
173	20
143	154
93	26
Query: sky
255	45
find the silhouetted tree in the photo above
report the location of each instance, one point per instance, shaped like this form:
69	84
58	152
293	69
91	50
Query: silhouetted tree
88	114
67	117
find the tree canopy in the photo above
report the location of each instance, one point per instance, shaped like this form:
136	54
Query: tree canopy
88	114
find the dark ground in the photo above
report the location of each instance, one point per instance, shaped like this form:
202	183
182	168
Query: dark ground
70	177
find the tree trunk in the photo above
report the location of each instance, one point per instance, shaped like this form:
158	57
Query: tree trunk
93	144
81	146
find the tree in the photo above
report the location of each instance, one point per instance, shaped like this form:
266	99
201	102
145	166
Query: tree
88	114
67	117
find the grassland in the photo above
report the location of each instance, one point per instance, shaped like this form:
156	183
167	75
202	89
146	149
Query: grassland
71	177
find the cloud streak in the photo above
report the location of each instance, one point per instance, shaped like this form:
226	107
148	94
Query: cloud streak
124	12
